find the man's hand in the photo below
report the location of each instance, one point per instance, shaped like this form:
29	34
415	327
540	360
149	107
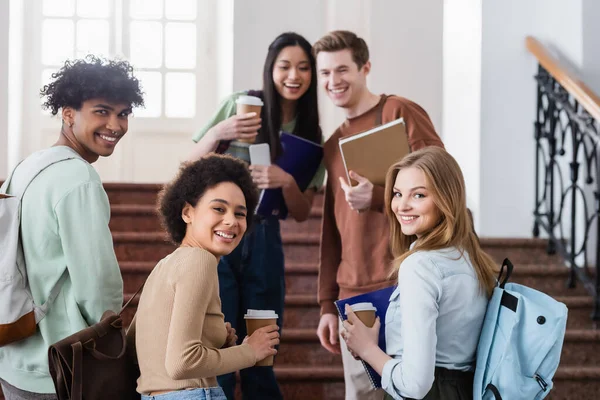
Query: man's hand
360	196
328	333
231	336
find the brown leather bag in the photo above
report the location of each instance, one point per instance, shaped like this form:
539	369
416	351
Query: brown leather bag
94	363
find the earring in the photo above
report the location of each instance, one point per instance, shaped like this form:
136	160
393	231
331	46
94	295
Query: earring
70	124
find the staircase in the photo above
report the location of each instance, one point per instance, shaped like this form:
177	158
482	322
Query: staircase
304	369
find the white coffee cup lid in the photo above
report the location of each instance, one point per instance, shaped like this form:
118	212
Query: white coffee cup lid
260	314
250	100
363	307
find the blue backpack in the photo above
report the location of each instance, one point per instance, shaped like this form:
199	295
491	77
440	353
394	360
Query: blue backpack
520	343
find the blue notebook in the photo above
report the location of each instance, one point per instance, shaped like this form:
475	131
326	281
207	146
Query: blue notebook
300	158
381	301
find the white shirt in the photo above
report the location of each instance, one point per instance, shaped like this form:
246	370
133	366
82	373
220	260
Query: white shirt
434	319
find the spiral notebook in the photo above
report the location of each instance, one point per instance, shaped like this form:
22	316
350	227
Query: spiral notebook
381	300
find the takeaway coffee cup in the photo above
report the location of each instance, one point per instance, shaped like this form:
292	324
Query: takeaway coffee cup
247	104
365	312
256	319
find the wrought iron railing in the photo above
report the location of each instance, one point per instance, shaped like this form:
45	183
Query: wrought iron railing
567	172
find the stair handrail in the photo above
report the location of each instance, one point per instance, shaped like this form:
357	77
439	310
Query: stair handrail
572	84
567	169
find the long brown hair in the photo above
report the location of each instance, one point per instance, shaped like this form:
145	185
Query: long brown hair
446	184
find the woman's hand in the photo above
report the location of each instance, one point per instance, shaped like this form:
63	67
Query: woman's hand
231	336
270	177
263	341
244	127
360	339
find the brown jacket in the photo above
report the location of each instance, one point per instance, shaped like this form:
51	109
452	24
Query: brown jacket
355	255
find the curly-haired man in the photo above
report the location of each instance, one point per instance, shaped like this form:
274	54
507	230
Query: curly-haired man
64	216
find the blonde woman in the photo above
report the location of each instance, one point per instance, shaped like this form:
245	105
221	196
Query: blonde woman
444	283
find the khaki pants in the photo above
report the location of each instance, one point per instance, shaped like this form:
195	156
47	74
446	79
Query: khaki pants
356	380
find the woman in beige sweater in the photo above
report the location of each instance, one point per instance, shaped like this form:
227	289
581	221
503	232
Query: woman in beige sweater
182	341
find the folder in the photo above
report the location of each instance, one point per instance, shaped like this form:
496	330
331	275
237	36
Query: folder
300	158
381	300
373	152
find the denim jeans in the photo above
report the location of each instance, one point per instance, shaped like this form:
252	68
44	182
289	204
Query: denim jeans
213	393
252	276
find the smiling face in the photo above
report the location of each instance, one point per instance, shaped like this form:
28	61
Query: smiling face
412	203
95	129
291	73
341	78
218	221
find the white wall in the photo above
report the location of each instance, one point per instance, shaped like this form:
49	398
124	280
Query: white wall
508	104
462	93
404	38
4	12
591	44
406	43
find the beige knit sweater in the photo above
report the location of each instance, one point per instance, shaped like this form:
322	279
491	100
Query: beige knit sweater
179	327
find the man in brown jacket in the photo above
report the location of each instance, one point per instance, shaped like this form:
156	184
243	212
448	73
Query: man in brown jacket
355	256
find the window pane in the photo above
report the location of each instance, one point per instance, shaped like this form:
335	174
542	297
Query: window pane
146	44
181	9
146	9
58	8
57	41
93	8
152	87
180	95
180	46
92	37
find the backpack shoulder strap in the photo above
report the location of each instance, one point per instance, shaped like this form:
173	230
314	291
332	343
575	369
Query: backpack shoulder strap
379	117
35	166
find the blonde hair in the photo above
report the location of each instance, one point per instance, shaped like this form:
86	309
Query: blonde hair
446	184
342	40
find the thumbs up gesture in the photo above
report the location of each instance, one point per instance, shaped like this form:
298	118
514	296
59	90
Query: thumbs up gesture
359	197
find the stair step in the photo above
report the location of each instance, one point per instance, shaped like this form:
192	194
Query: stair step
302	311
144	218
132	193
302	346
152	246
147	193
301	277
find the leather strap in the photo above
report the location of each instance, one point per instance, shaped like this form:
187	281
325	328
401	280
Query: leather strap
77	375
90	345
132	297
61	376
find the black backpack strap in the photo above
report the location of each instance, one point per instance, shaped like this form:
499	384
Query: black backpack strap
509	270
494	390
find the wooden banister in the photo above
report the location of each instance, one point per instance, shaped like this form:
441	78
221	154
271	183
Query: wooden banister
579	90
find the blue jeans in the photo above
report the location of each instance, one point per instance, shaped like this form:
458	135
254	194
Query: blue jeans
252	276
213	393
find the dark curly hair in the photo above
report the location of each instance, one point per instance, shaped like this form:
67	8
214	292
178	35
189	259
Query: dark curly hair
193	180
92	78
